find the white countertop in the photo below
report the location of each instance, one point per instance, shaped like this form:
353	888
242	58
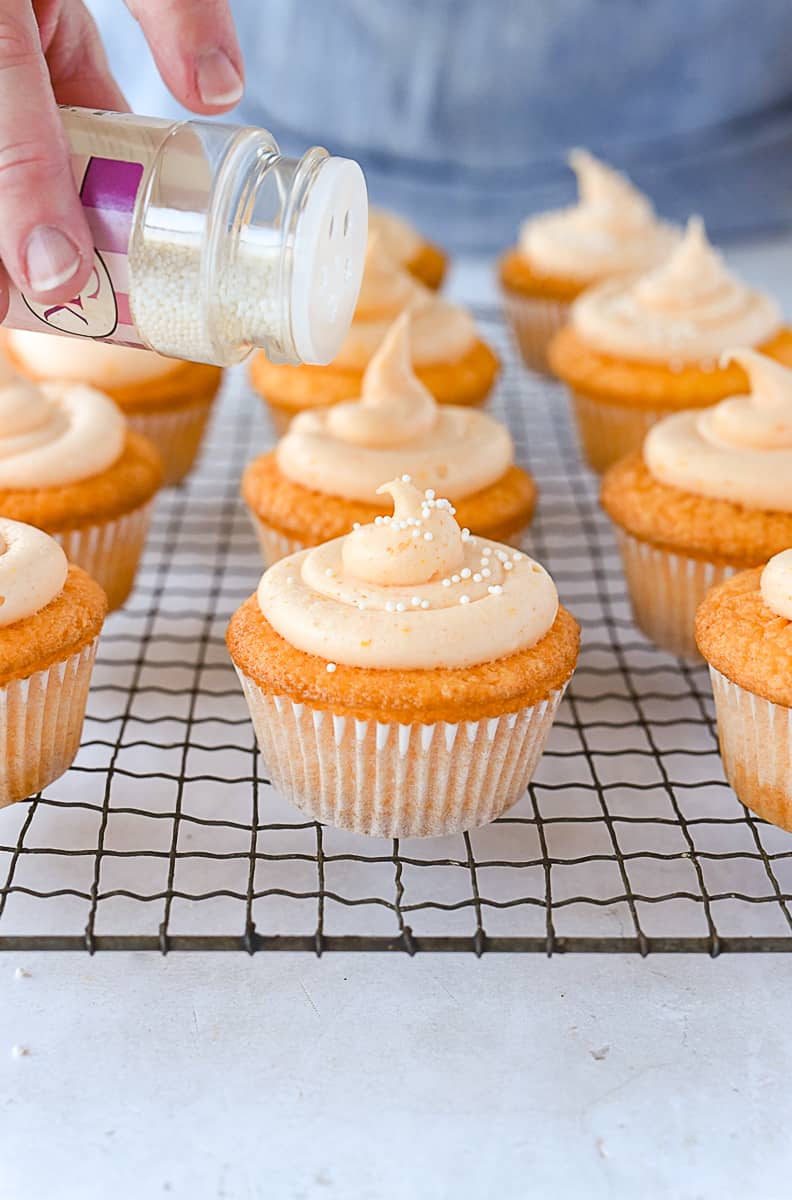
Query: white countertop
365	1076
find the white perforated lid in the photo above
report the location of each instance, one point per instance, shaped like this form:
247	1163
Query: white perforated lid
329	252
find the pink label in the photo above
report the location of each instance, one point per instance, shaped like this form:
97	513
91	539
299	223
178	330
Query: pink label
108	191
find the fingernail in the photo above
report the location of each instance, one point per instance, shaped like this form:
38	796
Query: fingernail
51	258
219	82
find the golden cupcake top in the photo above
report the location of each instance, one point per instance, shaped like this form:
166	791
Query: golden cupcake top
776	585
441	331
612	229
54	434
738	450
409	591
394	427
689	309
33	570
81	360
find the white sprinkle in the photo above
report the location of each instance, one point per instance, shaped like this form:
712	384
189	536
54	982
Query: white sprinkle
495	589
446	583
356	525
455	579
485	574
501	556
424	604
428	537
19	1051
477	577
430	493
330	668
465	573
415	533
406	478
21	973
379	520
290	579
465	534
387	520
390	606
464	599
400	607
507	566
361	604
516	556
328	570
415	601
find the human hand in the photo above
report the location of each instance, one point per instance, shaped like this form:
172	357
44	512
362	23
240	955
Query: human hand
50	54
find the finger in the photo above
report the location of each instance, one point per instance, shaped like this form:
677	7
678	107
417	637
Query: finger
45	243
195	47
76	58
3	294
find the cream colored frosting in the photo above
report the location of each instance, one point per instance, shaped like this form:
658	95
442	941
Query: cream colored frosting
611	230
689	309
80	360
56	433
411	591
33	570
396	425
776	584
740	449
441	332
400	239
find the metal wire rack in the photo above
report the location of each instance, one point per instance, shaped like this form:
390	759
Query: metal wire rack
166	834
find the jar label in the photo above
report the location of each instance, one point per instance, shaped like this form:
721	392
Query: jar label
108	190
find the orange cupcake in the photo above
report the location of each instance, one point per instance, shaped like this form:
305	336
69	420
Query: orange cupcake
405	245
611	231
323	478
168	401
744	631
50	619
69	466
710	494
448	355
394	690
636	350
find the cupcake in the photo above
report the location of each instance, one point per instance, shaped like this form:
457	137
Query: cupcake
168	401
611	231
744	631
636	350
405	245
448	355
402	680
51	615
69	466
710	494
323	478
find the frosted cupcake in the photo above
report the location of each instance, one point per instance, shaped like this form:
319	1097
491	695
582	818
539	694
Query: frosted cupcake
51	615
396	690
448	355
611	231
323	478
69	466
406	246
169	402
710	494
636	350
744	631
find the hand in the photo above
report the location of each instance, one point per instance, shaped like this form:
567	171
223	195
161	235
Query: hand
51	53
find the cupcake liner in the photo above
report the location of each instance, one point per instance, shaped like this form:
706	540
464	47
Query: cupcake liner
534	321
665	591
110	552
41	721
177	435
608	432
756	747
393	780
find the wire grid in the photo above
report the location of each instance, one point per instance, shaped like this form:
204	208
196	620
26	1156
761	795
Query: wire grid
166	834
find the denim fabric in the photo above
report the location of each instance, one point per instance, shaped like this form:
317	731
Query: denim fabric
461	111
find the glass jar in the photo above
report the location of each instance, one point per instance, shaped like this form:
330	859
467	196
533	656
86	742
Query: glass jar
208	243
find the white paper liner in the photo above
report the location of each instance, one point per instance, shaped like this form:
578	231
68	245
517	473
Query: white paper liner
756	747
665	591
110	552
608	432
534	321
41	721
392	780
177	435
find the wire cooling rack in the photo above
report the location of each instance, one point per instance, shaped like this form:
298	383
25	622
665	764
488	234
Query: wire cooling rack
166	834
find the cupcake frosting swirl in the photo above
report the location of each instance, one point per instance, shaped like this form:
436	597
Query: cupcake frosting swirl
33	570
56	434
776	584
401	240
612	228
689	309
739	449
411	591
396	425
441	332
81	360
